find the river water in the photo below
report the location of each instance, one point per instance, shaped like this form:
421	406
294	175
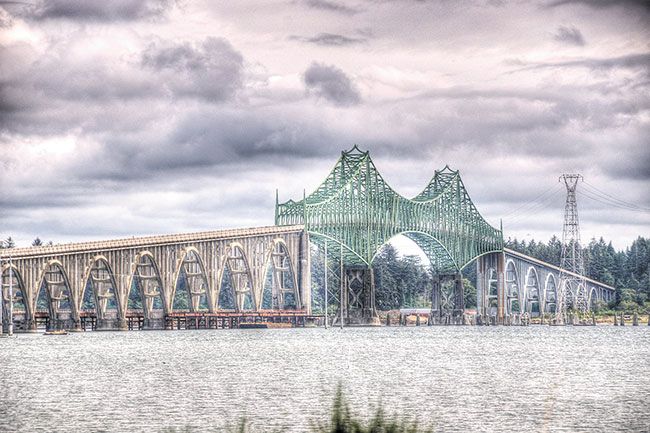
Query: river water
453	379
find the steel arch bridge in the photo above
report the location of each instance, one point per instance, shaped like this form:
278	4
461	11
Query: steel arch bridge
355	209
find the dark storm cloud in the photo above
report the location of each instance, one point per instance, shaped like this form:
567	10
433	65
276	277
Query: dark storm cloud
601	4
208	141
570	35
229	138
5	18
37	199
630	61
330	6
636	166
97	10
332	84
211	70
59	92
329	39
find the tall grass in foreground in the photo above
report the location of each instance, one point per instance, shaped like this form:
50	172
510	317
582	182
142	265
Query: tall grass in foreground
342	420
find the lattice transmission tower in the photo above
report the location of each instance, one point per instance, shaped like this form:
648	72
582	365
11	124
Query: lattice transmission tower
573	287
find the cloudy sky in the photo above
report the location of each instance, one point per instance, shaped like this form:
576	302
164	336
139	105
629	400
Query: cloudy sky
137	117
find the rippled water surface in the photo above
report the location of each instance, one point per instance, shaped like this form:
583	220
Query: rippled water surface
450	378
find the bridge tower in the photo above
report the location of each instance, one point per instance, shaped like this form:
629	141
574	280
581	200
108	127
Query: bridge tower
572	287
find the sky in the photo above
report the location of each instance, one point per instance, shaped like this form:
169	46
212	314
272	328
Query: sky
132	117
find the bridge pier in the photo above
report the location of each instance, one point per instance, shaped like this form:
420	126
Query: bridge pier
501	287
459	300
490	289
435	317
122	324
447	308
358	296
304	273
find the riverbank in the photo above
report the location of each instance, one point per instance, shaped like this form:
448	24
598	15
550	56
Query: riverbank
421	318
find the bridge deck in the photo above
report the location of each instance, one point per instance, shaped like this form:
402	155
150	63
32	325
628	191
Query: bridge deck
556	268
171	239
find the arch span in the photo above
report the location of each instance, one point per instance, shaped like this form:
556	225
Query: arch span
191	274
148	284
241	279
550	294
54	280
593	298
513	292
100	279
11	278
284	291
532	296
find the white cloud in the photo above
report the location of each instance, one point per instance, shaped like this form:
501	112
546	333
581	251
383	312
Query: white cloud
164	119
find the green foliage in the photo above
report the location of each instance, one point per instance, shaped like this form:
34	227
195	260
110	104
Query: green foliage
181	299
550	252
226	293
628	271
400	281
470	293
342	420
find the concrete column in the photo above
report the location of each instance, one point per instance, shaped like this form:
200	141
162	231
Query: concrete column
304	272
30	294
435	301
372	307
459	299
501	287
2	303
75	303
480	289
344	314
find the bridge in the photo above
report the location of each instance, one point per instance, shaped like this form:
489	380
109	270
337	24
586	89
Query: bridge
265	272
510	284
256	270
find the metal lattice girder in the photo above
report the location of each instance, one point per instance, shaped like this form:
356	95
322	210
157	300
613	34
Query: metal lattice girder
355	207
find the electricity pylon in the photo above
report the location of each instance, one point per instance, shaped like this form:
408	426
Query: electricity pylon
573	287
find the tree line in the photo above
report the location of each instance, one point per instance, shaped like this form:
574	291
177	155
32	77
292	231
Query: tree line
10	243
627	270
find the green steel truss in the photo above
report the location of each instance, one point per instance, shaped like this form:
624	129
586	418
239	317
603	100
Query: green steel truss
356	209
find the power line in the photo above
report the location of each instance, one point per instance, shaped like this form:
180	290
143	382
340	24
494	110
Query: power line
533	202
532	210
614	200
610	203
